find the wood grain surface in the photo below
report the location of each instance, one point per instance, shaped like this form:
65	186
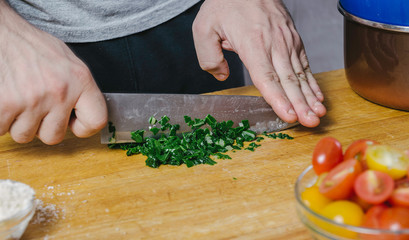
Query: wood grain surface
91	192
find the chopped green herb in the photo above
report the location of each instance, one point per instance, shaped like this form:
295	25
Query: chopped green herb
252	146
111	129
164	120
188	120
248	135
152	120
221	156
234	178
154	130
211	121
279	135
245	124
207	138
137	136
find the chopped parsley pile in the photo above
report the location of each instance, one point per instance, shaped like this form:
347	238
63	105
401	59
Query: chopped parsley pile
207	138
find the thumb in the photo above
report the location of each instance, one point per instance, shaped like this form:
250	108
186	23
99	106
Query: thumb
209	52
90	113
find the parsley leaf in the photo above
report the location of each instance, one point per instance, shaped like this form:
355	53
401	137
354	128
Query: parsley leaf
207	138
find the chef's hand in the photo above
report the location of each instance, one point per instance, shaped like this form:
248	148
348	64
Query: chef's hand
44	87
262	33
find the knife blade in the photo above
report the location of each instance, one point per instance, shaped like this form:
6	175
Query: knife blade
129	112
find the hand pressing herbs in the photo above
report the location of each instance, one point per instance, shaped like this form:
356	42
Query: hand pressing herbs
207	138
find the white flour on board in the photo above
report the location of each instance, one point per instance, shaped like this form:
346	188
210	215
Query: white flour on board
14	197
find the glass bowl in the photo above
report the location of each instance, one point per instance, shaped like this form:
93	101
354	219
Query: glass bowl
321	227
14	226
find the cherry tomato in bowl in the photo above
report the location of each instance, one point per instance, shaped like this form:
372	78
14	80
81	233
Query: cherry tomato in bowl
392	223
357	150
400	195
395	218
342	212
339	182
374	187
314	199
371	218
326	155
389	160
370	178
321	227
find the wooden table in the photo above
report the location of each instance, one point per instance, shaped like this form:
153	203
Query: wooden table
100	193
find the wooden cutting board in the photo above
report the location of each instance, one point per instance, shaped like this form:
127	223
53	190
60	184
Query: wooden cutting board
91	192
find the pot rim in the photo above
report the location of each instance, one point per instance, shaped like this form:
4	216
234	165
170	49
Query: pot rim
383	26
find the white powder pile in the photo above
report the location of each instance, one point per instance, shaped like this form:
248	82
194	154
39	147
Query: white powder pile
14	196
46	213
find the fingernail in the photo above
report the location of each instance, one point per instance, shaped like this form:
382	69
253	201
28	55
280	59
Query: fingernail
319	94
317	103
291	111
311	113
221	76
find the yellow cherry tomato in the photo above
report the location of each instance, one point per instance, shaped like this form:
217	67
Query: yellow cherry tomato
314	199
342	211
389	160
320	178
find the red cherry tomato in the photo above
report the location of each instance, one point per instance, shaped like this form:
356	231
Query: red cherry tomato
357	150
395	218
339	182
372	217
400	196
364	205
373	186
382	217
327	154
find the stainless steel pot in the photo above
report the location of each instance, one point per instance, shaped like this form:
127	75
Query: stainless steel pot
376	57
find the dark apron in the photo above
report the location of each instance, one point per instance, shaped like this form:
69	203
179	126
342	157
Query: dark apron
158	60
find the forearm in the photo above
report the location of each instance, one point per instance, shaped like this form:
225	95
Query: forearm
12	22
7	15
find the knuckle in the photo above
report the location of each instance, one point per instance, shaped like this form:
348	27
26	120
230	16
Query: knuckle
8	106
307	68
52	135
33	99
82	72
200	27
298	102
59	91
311	97
274	76
196	27
91	126
23	137
301	76
52	140
292	79
304	61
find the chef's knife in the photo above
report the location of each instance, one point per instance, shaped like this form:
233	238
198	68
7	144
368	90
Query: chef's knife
129	112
